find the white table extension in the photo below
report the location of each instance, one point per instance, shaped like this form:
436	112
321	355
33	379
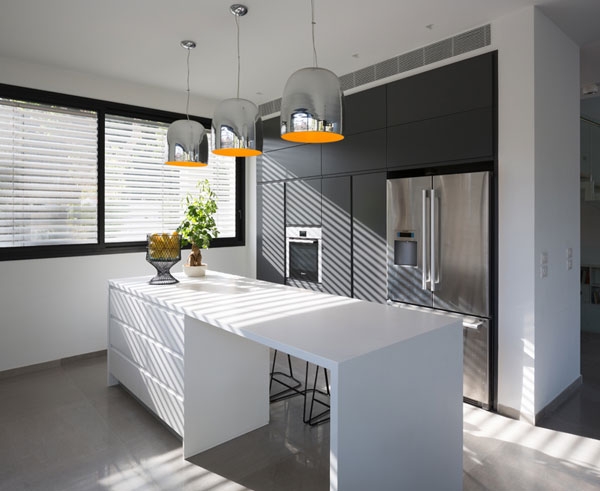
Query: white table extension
196	353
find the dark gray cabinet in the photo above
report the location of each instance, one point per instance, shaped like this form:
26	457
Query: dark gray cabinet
355	153
303	202
369	245
365	111
454	88
289	163
270	250
337	236
442	116
458	137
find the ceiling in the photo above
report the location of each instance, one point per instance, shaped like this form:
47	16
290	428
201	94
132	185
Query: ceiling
138	40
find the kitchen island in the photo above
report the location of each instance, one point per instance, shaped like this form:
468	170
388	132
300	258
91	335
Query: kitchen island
196	353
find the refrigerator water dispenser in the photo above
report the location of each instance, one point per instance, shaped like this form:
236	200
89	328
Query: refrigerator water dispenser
405	249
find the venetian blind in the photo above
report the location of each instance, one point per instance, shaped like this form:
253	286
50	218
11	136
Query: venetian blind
143	195
48	175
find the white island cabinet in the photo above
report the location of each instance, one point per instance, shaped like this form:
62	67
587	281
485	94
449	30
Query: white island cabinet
197	354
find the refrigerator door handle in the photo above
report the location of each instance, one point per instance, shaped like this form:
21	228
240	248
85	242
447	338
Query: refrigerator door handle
424	241
472	324
432	247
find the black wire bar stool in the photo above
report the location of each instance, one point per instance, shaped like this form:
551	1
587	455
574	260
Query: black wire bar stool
313	397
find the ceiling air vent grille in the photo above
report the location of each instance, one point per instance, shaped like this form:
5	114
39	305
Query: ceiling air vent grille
410	61
442	50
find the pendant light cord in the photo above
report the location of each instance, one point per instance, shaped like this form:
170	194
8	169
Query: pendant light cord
237	25
312	15
187	104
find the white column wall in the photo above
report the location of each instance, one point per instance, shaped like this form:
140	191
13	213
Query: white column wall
557	210
513	37
55	308
538	199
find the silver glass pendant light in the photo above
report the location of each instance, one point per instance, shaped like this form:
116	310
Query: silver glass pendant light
236	124
312	103
188	145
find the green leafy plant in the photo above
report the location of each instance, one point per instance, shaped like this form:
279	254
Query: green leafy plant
198	225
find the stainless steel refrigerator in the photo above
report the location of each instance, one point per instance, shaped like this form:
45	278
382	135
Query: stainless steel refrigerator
438	232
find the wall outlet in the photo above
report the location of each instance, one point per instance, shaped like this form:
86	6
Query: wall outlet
544	258
543	270
569	258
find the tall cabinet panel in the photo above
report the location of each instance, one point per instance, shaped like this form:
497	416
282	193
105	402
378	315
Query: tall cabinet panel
303	203
270	253
369	247
337	234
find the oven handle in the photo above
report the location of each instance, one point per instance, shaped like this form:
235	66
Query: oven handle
304	241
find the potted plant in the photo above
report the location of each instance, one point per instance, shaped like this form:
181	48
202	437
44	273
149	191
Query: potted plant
198	226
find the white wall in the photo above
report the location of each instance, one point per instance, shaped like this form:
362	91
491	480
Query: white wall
513	37
45	77
557	210
538	142
55	308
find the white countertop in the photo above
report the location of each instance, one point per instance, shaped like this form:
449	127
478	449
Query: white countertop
321	328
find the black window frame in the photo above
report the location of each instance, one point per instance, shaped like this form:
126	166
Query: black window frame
102	108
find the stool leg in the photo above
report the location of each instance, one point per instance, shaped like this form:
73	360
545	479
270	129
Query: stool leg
292	384
318	419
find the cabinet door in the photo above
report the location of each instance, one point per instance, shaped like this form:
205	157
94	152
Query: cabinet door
337	236
355	153
289	163
447	90
303	203
458	137
365	111
270	250
369	246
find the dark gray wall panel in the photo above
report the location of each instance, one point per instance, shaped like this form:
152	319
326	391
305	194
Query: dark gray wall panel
369	237
270	253
337	234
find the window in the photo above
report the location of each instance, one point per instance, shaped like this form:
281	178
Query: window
144	195
48	175
82	176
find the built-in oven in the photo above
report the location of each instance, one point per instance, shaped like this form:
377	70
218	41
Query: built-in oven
303	254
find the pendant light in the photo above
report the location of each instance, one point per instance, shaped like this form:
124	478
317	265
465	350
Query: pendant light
236	124
311	106
188	145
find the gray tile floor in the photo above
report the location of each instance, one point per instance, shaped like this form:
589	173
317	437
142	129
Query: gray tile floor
63	429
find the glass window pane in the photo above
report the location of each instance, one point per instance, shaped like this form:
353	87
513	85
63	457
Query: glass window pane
48	175
143	195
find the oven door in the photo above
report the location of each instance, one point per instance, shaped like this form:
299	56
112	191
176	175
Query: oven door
304	260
